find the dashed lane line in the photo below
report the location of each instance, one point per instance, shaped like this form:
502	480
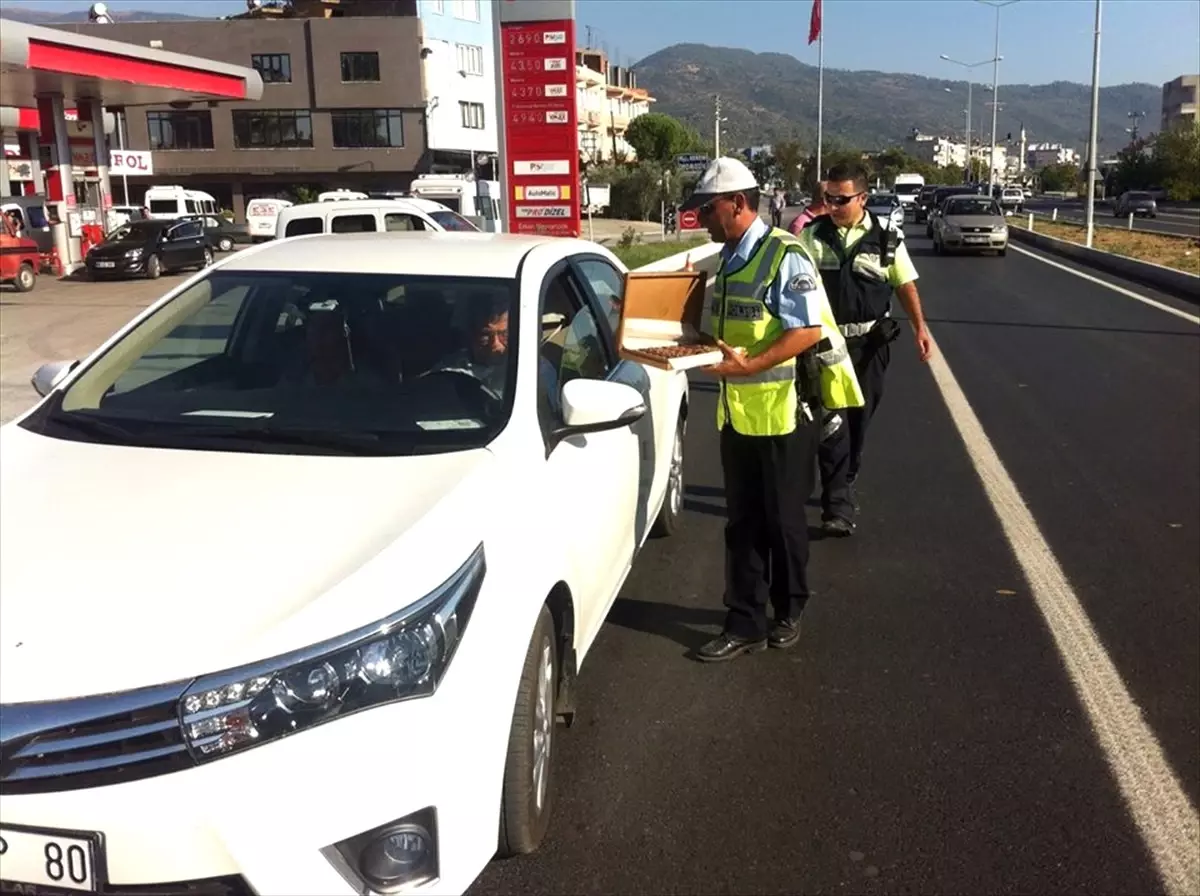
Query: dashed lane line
1164	816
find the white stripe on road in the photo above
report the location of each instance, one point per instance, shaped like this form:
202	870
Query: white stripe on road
1145	300
1161	810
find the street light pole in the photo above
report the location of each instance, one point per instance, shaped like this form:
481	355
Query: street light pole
1090	217
998	4
968	66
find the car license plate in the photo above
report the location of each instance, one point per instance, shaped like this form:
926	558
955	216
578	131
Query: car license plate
106	264
976	239
49	858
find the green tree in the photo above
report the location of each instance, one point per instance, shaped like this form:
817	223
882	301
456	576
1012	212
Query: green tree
1059	178
1178	154
656	137
789	163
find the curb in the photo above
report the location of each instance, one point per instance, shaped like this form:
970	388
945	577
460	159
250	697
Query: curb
1178	283
677	261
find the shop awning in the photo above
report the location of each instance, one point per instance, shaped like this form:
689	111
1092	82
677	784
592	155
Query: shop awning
35	60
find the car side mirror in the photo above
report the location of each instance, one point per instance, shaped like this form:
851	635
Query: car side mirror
48	376
590	406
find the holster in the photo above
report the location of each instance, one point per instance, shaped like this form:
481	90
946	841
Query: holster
887	330
808	377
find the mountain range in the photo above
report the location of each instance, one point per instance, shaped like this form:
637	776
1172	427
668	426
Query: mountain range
59	17
767	97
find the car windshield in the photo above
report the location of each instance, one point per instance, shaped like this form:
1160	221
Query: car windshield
979	206
304	362
453	221
1140	197
882	200
134	232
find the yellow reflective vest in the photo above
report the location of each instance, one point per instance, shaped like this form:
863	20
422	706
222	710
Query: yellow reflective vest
767	403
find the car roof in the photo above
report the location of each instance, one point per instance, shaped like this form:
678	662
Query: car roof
368	205
427	253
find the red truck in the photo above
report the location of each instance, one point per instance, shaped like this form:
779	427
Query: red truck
19	257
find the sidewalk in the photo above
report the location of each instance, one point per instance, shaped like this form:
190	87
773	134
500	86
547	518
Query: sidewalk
609	230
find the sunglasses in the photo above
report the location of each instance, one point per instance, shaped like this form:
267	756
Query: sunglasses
707	208
835	199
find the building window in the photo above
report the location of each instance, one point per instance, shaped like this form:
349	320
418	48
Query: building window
436	7
466	9
363	128
472	115
360	67
275	68
470	59
272	128
180	130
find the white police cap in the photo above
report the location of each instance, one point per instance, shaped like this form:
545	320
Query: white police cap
722	177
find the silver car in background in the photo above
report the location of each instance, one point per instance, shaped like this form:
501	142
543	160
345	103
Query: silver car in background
887	205
1136	203
970	224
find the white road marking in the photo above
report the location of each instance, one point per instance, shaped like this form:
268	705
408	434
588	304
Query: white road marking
1164	816
1145	300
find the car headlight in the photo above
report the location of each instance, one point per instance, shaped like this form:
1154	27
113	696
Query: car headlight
1000	228
134	253
399	658
950	228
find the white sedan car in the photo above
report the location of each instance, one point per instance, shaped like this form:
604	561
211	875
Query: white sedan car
300	566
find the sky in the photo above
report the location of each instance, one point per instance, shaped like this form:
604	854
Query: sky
1152	41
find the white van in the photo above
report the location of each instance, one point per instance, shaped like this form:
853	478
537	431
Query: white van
176	202
368	216
470	198
341	196
261	215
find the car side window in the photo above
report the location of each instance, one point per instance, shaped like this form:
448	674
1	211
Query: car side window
396	221
189	230
570	344
608	287
352	224
304	226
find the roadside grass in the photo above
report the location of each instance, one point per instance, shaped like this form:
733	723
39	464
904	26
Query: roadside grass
1179	252
645	253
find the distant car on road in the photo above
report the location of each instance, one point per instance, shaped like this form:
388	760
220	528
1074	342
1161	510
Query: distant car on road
1137	203
1012	199
939	198
970	224
335	524
887	205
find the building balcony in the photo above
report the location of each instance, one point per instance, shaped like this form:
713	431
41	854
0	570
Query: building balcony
585	75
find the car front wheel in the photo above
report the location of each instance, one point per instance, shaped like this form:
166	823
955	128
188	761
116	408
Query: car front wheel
226	244
26	278
672	506
525	802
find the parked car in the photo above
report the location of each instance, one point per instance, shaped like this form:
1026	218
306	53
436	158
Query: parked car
261	215
386	489
970	223
1137	203
888	206
369	216
19	257
223	234
149	248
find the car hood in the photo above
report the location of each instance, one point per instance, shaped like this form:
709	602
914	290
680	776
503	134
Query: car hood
123	567
973	220
117	249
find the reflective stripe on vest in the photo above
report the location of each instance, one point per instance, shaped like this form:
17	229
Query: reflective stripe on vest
767	403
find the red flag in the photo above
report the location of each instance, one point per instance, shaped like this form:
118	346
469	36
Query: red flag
814	24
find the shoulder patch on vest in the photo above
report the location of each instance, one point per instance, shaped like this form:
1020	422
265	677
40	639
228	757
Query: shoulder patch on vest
802	283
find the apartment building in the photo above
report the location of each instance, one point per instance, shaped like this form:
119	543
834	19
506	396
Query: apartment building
608	101
940	151
1180	101
343	103
1043	155
458	64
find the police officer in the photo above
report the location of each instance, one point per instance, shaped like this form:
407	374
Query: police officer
862	261
768	308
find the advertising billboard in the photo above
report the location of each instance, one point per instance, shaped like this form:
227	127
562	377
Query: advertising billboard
541	142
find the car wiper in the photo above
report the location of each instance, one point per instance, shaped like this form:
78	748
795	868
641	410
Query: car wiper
93	426
352	442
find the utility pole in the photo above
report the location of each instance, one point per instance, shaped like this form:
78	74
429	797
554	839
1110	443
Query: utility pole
717	127
1090	218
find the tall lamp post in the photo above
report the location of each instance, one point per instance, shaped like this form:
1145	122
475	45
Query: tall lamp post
971	65
998	5
1090	216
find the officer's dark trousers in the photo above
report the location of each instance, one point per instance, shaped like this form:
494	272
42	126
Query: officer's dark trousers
767	481
840	456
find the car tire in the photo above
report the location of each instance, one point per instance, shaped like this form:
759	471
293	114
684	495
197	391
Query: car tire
26	278
225	244
153	268
208	258
528	789
1003	252
671	512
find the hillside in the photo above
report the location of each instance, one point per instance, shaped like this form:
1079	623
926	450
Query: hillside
772	96
45	17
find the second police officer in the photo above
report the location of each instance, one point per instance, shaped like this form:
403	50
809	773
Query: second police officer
769	310
862	261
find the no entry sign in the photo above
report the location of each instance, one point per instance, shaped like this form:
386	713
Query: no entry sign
689	220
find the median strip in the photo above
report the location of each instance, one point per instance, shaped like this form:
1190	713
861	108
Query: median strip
1179	252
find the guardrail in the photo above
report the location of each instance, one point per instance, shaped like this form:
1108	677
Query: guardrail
1052	218
1177	283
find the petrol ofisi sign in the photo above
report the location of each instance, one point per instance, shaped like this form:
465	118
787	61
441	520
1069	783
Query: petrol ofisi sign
541	123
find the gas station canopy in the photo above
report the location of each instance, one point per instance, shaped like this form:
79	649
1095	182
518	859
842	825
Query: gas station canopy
38	61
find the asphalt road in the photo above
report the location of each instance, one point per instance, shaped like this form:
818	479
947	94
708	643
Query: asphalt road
1170	220
924	736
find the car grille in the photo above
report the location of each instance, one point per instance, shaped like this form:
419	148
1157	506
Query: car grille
234	885
977	230
91	742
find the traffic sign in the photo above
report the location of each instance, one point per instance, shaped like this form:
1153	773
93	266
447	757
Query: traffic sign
696	163
689	220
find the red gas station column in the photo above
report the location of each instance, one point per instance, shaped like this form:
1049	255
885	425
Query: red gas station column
60	180
538	114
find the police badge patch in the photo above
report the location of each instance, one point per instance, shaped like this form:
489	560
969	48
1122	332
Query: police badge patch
801	283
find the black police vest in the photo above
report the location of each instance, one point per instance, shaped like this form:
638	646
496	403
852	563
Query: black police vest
857	296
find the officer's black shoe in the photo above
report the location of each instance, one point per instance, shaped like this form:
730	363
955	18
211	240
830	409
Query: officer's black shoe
784	633
837	527
727	647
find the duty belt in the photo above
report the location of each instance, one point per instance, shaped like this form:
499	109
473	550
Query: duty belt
851	331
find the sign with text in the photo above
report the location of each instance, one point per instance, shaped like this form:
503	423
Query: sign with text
541	141
130	162
692	162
